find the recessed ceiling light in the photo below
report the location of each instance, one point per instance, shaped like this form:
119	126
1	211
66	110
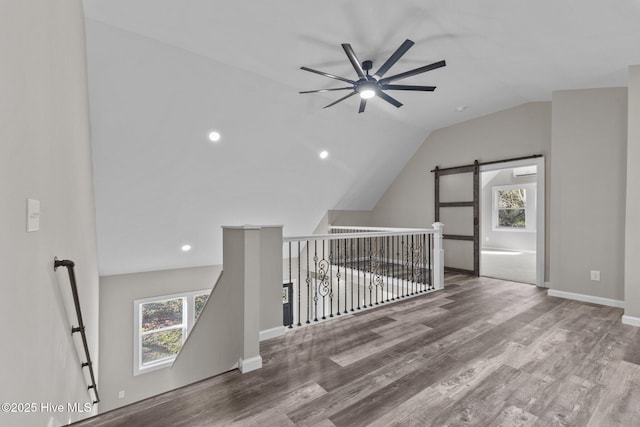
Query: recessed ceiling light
186	248
324	154
214	136
461	108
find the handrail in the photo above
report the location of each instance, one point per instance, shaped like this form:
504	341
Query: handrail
68	264
359	268
359	235
373	229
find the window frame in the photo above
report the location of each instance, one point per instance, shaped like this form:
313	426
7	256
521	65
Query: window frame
529	208
188	321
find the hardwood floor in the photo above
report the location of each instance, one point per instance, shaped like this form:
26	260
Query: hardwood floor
483	352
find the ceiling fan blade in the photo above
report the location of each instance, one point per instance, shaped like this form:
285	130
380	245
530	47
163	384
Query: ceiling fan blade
363	104
404	47
331	76
340	100
413	72
409	87
390	99
354	59
327	90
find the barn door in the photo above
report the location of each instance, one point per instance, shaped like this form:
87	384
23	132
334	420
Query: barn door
457	205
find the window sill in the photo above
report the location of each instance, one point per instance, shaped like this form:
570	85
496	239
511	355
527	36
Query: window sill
156	366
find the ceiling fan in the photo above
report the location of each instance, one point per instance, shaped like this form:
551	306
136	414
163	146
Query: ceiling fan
369	86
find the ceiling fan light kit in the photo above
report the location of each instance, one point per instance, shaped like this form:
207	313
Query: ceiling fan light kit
369	86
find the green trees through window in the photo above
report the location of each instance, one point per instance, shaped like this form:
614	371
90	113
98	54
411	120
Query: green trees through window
163	324
511	208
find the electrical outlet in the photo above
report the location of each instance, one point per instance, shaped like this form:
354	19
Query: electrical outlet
595	275
121	394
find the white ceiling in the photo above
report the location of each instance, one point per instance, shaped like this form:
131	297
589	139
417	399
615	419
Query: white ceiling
163	73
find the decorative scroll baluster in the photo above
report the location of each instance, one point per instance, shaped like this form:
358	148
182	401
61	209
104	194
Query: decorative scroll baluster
308	280
397	264
337	279
299	277
315	287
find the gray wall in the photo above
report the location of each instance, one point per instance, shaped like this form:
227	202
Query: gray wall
632	229
519	131
355	217
45	155
588	182
247	297
502	239
272	268
117	294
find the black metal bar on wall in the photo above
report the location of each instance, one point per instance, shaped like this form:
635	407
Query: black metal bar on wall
69	265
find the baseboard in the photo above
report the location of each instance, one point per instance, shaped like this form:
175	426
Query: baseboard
251	364
586	298
630	320
278	331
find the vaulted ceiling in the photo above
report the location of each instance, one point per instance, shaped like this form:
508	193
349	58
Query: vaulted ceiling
163	73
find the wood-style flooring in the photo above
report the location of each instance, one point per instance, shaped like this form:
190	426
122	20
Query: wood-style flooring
482	352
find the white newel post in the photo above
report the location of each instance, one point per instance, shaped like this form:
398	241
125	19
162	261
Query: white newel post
438	256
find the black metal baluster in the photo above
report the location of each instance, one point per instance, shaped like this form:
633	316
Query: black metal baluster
290	279
430	263
413	268
370	276
375	267
393	268
386	263
328	272
405	291
424	262
299	298
351	264
308	280
315	288
338	277
345	277
358	261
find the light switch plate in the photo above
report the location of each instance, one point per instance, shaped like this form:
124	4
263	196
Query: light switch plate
33	215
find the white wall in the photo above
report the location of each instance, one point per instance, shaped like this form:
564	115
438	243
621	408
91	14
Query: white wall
45	155
632	229
588	182
409	201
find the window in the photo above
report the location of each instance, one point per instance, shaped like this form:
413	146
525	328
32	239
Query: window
161	326
514	207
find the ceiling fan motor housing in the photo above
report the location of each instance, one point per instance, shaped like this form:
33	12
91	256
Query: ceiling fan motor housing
369	86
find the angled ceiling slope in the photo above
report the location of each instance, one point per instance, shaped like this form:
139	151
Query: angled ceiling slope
162	74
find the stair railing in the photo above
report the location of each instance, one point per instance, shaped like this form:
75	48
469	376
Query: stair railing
69	265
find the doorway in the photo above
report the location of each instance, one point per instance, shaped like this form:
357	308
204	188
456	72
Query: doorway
512	221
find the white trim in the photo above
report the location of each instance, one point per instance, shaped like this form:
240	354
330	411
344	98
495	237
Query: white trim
278	331
586	298
342	236
540	207
188	313
250	364
530	220
630	320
